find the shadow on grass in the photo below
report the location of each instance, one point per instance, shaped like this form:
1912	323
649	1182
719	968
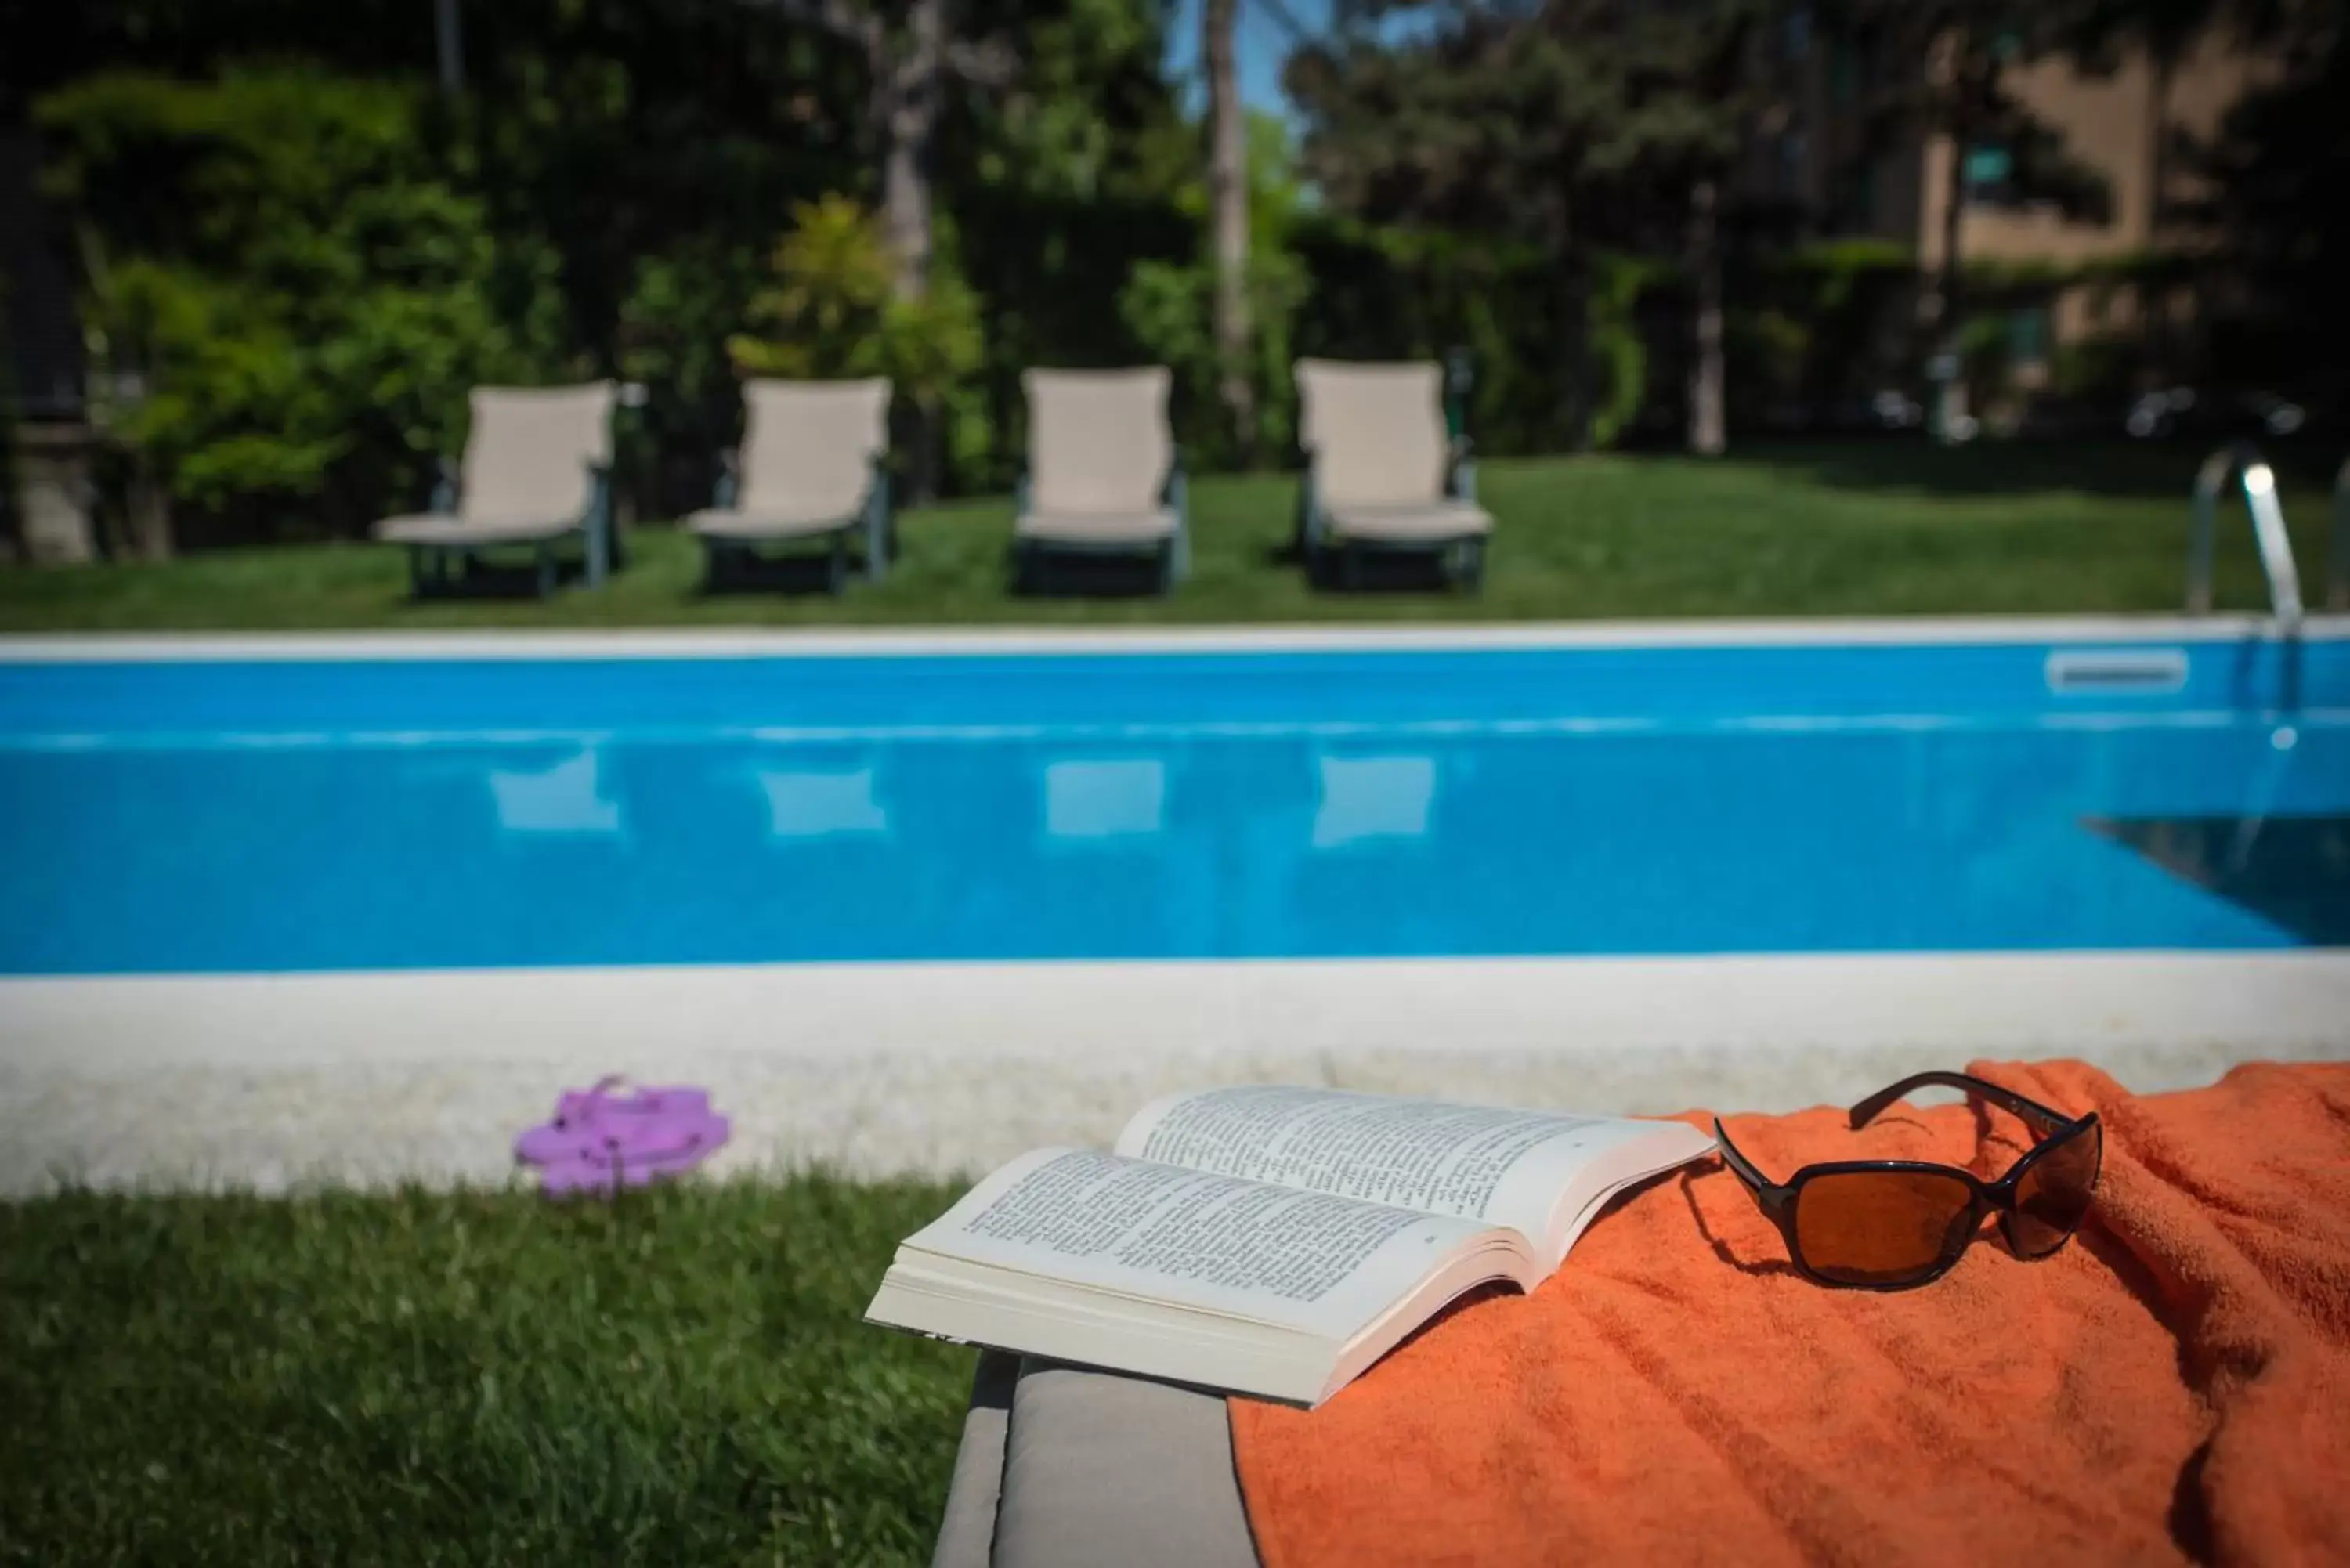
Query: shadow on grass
2115	470
795	574
1373	573
1067	575
2122	469
484	579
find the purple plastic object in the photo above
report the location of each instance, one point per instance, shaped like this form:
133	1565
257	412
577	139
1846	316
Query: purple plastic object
601	1141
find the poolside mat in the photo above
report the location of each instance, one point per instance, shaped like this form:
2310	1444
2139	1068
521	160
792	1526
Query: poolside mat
2174	1385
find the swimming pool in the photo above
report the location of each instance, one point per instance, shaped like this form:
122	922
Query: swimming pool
474	804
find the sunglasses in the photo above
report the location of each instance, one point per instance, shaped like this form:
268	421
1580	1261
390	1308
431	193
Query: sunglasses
1891	1224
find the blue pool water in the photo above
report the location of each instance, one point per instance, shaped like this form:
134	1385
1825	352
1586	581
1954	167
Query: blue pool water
284	815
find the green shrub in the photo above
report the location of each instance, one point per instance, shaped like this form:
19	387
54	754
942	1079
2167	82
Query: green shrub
287	299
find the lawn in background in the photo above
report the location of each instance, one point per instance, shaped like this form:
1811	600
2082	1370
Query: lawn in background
482	1377
1855	529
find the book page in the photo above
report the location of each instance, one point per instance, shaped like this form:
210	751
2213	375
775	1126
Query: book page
1317	1262
1477	1162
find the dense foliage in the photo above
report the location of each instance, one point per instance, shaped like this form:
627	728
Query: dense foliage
298	250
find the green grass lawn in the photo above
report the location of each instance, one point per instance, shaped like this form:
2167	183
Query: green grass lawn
1856	529
475	1378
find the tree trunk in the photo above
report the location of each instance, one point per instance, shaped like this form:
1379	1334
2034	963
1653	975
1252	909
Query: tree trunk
907	116
1951	396
1228	205
1706	435
147	514
906	90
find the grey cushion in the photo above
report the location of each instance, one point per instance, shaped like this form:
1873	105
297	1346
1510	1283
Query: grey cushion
967	1534
441	529
1375	432
1100	530
1429	522
529	469
530	451
778	522
1098	441
809	446
1096	1468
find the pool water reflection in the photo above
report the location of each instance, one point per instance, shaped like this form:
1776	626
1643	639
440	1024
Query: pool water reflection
669	848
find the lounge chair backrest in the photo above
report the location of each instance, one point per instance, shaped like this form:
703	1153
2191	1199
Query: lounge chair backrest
1097	439
527	456
1375	432
809	446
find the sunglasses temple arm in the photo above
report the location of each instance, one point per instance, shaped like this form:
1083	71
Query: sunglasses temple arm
2038	1115
1764	1190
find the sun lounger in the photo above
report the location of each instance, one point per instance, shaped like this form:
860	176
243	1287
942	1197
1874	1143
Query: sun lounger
537	473
2168	1386
809	469
1381	474
1103	478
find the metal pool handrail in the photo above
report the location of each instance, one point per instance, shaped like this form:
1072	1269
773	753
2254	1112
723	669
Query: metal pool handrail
2268	528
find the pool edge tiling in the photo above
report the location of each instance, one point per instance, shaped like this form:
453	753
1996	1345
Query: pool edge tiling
718	642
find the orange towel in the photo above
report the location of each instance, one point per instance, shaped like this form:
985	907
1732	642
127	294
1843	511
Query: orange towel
2174	1385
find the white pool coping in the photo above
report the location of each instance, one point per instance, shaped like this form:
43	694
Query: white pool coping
2289	1004
675	643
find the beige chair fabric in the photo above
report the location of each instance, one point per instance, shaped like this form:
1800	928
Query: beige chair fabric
526	475
1374	434
808	455
1099	449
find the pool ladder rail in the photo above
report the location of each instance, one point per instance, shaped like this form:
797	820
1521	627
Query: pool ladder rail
2242	461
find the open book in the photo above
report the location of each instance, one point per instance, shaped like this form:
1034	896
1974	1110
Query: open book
1274	1241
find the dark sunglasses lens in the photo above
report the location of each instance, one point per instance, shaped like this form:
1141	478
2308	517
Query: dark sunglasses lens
2052	1196
1882	1227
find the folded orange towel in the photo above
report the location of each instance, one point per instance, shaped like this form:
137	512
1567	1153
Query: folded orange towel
2174	1385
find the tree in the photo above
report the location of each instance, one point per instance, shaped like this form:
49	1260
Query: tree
285	302
829	311
1703	88
1228	217
1941	67
1170	308
2275	182
2167	32
1571	124
908	70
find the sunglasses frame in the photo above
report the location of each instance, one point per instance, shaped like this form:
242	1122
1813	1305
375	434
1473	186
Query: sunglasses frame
1779	1200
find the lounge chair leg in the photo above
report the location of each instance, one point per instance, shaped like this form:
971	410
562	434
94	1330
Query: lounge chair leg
836	570
1350	567
1167	569
416	571
1473	567
545	572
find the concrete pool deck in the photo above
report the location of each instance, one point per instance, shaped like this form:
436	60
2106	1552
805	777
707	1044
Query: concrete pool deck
279	1081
